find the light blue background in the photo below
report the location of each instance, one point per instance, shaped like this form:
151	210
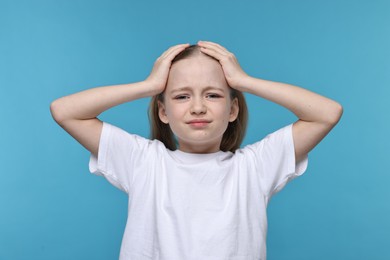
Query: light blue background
51	207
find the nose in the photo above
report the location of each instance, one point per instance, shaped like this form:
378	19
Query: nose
198	107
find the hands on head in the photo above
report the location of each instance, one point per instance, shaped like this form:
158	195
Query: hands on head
232	70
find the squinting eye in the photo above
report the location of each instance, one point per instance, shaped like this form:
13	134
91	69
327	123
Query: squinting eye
181	97
213	96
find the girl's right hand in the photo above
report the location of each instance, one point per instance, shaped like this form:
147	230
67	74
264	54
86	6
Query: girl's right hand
157	79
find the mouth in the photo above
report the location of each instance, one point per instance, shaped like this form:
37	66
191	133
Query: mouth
199	122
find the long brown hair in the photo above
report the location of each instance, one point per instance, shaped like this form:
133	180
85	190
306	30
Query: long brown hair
234	134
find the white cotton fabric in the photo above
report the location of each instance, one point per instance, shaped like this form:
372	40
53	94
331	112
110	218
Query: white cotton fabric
186	206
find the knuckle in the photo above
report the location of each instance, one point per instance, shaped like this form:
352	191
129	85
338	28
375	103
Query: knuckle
225	58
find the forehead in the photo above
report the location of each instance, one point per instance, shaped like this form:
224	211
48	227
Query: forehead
196	71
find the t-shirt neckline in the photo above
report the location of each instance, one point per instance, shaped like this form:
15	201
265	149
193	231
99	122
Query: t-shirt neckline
186	157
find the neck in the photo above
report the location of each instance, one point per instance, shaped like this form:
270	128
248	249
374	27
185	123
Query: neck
199	148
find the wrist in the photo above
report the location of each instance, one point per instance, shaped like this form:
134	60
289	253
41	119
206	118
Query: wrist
151	88
245	84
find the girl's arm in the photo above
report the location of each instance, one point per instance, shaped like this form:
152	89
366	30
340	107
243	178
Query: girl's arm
77	113
317	114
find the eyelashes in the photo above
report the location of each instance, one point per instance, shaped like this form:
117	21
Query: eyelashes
207	96
213	95
181	97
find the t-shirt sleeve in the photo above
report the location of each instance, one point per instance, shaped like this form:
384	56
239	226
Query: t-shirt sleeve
275	162
119	152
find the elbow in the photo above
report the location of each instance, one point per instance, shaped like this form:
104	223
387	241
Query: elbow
335	113
56	111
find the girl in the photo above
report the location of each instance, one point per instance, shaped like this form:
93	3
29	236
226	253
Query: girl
193	193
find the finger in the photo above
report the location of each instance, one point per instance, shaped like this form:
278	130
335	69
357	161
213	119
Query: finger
216	49
212	43
174	50
169	52
208	43
212	53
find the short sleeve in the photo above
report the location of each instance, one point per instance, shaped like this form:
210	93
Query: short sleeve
275	162
119	151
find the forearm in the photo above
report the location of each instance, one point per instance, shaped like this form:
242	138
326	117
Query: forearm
306	105
92	102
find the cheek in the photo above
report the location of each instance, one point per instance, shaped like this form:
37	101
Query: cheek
226	110
168	107
173	111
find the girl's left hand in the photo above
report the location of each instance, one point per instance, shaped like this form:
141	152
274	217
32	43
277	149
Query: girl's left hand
233	72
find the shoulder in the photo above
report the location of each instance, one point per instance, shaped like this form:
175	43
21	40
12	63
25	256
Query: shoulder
275	140
119	137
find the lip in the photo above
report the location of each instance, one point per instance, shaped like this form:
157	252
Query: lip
199	122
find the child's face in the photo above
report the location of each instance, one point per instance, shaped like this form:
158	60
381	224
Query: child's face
197	104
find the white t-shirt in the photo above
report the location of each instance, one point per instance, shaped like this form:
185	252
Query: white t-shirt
186	206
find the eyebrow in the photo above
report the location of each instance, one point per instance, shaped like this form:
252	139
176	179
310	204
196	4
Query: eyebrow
188	88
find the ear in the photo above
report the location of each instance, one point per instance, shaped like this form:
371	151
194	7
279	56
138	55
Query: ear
234	109
161	112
